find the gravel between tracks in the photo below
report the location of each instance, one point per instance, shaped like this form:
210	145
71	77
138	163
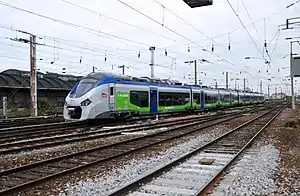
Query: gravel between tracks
252	175
274	168
7	161
125	166
133	169
18	159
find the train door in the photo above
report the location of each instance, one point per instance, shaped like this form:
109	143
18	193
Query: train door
111	96
153	100
202	99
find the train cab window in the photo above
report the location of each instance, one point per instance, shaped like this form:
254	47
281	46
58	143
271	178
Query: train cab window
139	98
111	91
84	86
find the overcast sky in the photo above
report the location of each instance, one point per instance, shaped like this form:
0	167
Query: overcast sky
91	30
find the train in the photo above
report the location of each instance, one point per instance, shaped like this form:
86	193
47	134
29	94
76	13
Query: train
103	95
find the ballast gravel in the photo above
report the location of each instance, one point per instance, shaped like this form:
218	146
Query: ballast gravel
252	174
111	171
121	175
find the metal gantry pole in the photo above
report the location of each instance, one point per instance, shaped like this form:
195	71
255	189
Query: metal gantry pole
244	84
195	72
152	49
226	80
123	69
261	91
268	92
292	77
33	76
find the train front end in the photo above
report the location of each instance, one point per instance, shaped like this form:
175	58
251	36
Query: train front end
88	99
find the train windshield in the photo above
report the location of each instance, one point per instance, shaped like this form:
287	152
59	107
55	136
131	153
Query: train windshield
84	86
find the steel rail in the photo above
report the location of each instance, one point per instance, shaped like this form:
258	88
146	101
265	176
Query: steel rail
71	138
67	138
10	130
131	186
135	142
43	133
14	123
213	179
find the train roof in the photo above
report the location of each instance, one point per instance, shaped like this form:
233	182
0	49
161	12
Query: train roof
106	77
123	79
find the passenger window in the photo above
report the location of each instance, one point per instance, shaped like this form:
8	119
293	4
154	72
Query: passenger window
139	98
111	91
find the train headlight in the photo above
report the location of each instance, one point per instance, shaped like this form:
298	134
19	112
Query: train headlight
86	102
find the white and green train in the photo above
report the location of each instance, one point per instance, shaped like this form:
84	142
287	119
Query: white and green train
105	95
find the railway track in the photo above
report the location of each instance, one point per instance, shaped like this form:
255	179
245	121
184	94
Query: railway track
29	121
16	143
48	129
12	147
197	172
17	179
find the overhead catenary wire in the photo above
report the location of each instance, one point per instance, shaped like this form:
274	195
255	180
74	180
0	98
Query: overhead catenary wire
89	48
41	57
56	38
175	32
87	29
68	41
278	35
265	48
292	4
82	47
246	29
237	29
117	20
189	24
168	50
182	36
249	16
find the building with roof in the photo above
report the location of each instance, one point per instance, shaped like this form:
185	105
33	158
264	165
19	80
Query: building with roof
52	87
278	96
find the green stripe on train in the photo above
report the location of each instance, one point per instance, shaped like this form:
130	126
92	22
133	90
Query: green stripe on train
174	108
123	103
210	105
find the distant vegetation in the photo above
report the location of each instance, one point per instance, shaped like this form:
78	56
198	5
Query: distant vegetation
44	109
